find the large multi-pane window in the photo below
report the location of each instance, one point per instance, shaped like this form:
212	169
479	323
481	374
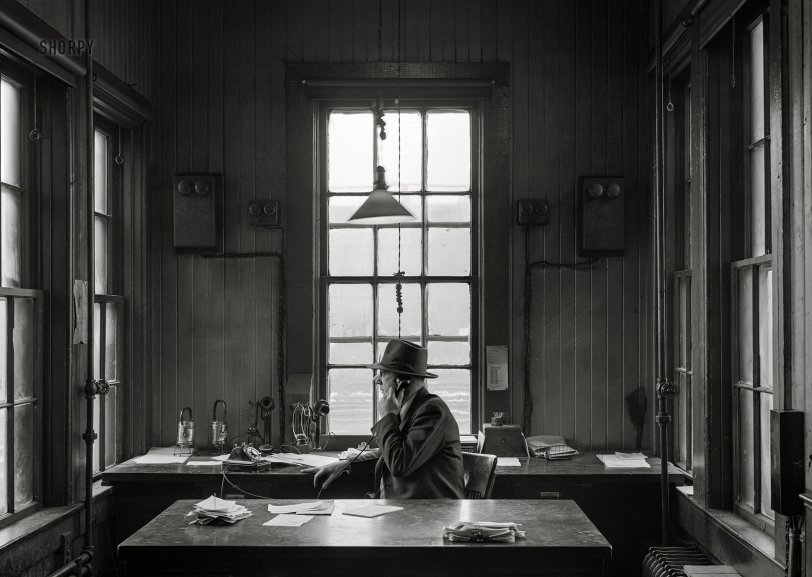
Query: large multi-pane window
429	158
21	314
108	302
752	293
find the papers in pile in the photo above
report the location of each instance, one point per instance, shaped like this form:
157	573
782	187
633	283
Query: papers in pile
313	508
624	461
214	509
550	446
483	531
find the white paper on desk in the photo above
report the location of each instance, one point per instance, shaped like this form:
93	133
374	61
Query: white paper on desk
299	507
508	462
288	521
303	459
372	510
202	463
613	462
221	457
149	459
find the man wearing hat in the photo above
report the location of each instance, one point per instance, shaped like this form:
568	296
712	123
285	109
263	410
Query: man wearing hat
418	437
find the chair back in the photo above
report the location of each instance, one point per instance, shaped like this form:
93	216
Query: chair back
479	473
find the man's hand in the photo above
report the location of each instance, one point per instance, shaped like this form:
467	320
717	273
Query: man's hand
324	472
388	404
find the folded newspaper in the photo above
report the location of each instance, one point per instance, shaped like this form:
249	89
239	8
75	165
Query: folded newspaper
213	510
483	532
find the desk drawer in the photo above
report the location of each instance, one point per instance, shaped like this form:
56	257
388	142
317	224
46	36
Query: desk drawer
574	491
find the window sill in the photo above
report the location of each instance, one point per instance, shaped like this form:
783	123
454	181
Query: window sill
45	518
728	537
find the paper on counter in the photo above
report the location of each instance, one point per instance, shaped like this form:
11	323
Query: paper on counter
202	463
311	508
221	457
161	455
288	521
508	462
305	459
372	510
613	462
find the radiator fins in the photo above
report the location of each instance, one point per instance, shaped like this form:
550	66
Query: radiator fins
669	561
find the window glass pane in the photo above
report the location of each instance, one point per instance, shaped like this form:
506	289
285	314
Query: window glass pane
11	238
110	417
757	82
100	173
351	403
685	322
411	150
350	310
682	416
343	207
10	119
111	360
410	322
23	455
449	309
758	214
448	208
3	354
3	460
350	353
406	337
449	353
350	252
97	348
411	251
97	428
349	152
765	405
765	326
449	252
100	255
448	141
745	456
745	305
454	387
24	334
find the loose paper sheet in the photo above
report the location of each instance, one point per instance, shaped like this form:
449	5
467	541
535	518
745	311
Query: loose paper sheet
372	510
312	508
202	463
305	459
288	521
508	462
161	456
80	306
497	358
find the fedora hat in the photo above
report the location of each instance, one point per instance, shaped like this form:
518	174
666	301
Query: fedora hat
404	358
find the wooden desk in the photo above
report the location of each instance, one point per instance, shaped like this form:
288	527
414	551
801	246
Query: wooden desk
624	504
560	540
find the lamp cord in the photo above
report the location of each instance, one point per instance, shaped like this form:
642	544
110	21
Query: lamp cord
399	274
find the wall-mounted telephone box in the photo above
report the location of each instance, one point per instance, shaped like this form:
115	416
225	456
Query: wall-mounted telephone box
196	215
502	441
786	461
602	210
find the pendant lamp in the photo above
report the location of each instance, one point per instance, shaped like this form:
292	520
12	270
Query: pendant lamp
381	207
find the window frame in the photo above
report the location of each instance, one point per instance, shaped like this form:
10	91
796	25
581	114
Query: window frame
473	107
21	75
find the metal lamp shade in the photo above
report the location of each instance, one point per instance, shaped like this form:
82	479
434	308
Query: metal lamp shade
380	207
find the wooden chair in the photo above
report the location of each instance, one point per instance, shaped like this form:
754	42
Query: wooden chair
479	473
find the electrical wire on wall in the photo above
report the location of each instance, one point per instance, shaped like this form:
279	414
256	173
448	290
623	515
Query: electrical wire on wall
529	266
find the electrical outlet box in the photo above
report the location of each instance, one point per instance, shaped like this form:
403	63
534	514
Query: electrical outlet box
602	203
263	214
196	217
533	211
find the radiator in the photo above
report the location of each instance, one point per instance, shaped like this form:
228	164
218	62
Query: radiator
669	561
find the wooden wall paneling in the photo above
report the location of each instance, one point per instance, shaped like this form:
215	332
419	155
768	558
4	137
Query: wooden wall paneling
388	34
475	27
583	281
565	200
598	165
295	35
316	31
419	50
635	233
615	314
169	276
231	220
185	263
520	188
364	36
461	24
488	16
217	384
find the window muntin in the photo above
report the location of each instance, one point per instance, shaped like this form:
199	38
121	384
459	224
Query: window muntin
108	302
21	315
435	160
752	297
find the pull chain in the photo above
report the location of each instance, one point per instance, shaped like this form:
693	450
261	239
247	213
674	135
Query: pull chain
399	274
670	105
119	159
35	134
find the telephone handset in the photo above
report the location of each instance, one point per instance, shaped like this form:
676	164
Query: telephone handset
401	383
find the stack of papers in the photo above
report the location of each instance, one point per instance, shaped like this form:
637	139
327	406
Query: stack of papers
304	459
214	509
160	456
550	446
483	531
313	508
624	461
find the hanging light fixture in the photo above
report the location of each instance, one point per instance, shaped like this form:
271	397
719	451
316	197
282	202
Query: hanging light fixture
381	207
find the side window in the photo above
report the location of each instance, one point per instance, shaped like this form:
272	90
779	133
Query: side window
21	315
428	157
108	302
